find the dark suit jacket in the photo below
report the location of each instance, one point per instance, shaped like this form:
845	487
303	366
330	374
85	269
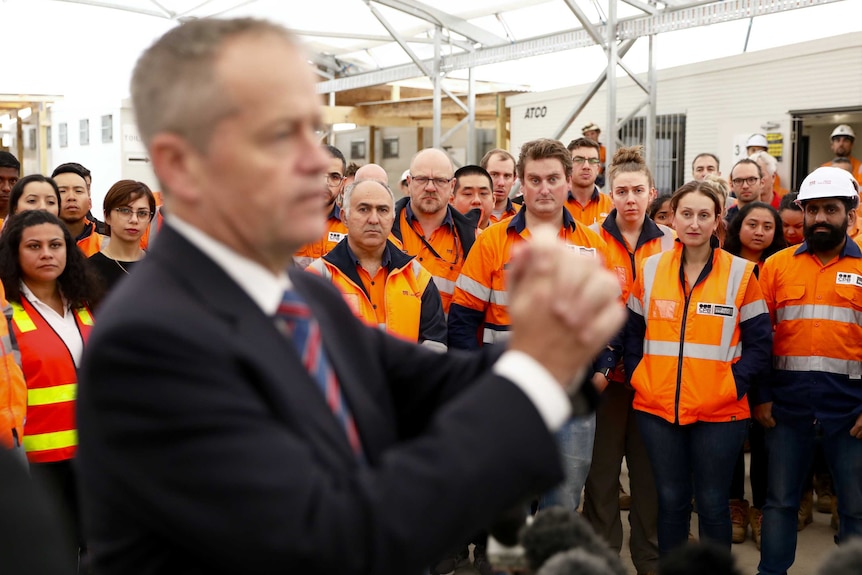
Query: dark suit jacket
205	447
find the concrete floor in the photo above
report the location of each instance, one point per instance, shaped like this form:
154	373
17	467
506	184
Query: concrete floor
814	543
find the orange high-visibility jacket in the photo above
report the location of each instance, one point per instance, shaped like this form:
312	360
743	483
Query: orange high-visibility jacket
596	210
480	293
625	262
13	389
693	343
91	242
511	209
406	294
50	433
335	232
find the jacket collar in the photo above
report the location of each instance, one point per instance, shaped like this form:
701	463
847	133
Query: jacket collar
851	249
649	231
519	221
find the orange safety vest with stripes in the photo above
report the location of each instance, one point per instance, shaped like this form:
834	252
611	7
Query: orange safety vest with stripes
13	389
50	433
93	243
335	232
402	296
691	341
155	223
482	283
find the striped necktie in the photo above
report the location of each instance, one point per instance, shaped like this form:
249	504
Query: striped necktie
305	332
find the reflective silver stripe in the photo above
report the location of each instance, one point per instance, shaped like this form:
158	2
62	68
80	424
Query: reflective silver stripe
635	305
444	285
691	350
823	312
302	261
416	268
472	287
667	239
321	268
435	345
650	267
500	297
495	336
734	282
381	326
818	363
596	227
752	309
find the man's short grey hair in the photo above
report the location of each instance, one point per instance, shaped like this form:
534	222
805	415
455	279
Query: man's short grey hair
345	201
770	162
174	86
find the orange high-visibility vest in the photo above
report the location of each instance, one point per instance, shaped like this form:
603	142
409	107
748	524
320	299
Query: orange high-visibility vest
690	343
13	389
402	295
50	433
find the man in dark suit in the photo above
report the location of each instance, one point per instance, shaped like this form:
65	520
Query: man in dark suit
206	445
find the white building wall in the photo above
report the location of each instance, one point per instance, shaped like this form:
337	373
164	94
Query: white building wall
724	100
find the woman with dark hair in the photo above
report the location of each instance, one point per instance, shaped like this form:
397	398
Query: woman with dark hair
659	211
698	334
34	192
129	207
791	219
50	286
754	233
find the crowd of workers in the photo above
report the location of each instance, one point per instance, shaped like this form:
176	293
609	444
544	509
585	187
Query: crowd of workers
745	320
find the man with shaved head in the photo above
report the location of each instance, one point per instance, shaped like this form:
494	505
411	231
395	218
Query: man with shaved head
372	172
428	227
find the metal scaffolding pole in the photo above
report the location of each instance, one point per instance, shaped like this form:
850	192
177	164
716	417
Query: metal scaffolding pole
438	105
652	82
471	117
613	56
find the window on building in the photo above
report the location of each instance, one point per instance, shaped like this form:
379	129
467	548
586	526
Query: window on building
84	132
357	150
63	135
48	134
390	148
107	129
669	171
32	136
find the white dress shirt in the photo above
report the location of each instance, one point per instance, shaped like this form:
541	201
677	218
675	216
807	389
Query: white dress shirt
266	289
64	325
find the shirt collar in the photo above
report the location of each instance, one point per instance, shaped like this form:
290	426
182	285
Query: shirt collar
446	220
519	221
851	249
385	257
594	197
264	288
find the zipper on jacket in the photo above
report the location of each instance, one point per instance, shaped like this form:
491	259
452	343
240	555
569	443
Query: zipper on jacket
703	273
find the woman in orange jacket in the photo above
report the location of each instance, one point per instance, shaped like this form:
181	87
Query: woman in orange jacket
49	285
631	237
698	335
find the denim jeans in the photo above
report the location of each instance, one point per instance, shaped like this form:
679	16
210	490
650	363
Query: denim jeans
575	441
790	449
703	452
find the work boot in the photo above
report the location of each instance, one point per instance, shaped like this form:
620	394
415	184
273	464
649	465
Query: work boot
739	519
823	489
806	510
755	518
625	499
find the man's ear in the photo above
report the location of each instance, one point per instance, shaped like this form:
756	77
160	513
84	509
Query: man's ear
176	164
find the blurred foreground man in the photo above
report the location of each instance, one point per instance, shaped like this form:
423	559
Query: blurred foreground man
237	418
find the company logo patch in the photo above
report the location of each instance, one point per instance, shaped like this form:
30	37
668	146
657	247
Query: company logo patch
848	279
584	251
714	309
335	237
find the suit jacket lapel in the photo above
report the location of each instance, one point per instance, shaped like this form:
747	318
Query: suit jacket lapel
284	383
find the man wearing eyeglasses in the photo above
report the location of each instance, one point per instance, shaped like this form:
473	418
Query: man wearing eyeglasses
335	228
428	227
585	202
746	181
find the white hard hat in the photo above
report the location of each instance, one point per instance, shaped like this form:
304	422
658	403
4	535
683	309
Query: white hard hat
828	182
758	140
843	130
404	176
